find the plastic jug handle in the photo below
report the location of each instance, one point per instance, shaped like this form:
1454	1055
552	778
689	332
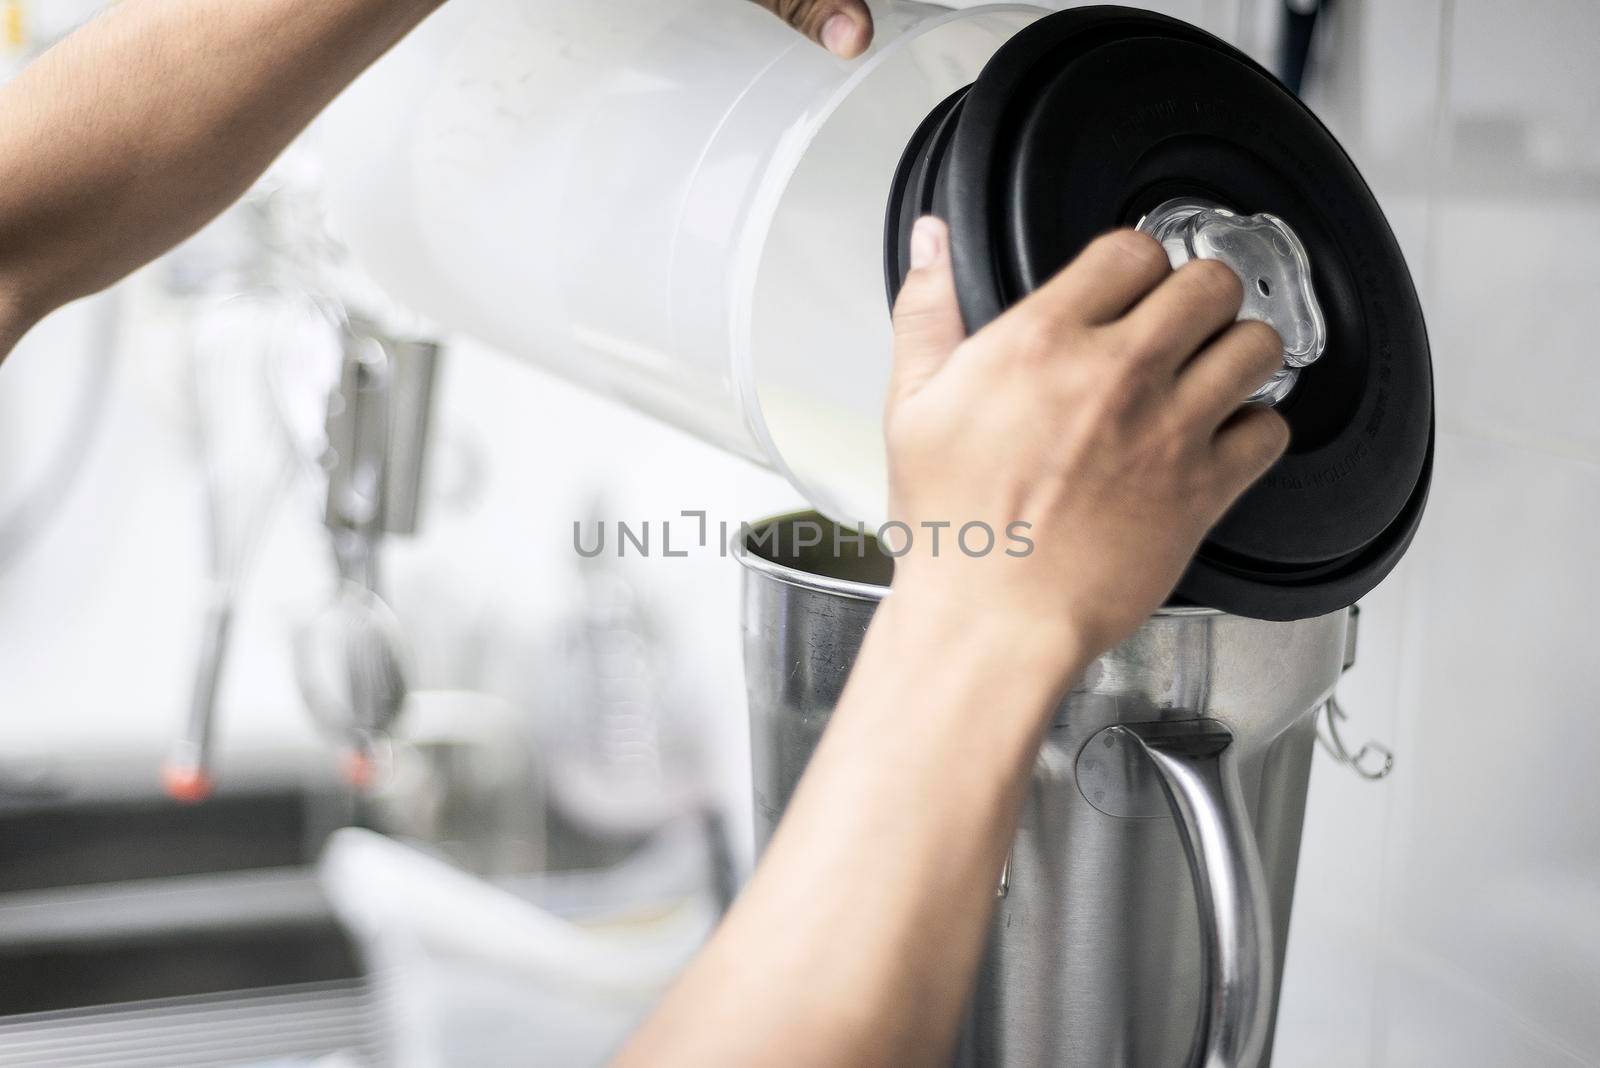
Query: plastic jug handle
1196	763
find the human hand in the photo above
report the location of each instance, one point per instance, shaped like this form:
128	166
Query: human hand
843	27
1103	411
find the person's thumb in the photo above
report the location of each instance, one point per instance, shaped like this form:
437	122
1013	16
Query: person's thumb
843	27
927	319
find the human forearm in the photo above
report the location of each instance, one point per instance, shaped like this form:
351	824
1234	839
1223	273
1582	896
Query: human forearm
138	129
1102	414
857	940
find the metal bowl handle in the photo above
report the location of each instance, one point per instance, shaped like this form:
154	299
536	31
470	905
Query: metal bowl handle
1196	762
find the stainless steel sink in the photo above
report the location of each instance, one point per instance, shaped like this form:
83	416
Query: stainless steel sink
77	837
137	931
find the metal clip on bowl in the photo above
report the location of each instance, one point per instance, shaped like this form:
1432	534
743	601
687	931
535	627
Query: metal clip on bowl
1372	760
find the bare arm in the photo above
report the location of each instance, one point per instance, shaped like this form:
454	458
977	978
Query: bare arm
138	129
857	940
1104	411
141	127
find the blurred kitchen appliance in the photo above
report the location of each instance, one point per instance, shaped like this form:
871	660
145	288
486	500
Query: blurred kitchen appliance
351	657
627	761
1144	911
462	776
245	469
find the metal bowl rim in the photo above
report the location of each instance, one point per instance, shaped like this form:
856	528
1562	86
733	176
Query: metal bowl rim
861	591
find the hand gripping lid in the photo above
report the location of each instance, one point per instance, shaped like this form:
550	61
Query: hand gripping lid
1100	117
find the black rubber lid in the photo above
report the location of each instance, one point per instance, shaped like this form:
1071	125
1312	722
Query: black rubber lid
1091	117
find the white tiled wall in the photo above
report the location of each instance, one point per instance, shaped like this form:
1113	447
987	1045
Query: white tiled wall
1448	915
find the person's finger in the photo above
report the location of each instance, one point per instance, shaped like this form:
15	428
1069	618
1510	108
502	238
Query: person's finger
1170	324
927	319
1246	446
843	27
1213	385
1107	278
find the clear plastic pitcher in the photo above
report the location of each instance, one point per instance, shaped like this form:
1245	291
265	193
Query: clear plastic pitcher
679	204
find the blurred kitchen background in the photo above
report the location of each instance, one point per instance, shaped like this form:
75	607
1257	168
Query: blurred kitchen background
575	729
